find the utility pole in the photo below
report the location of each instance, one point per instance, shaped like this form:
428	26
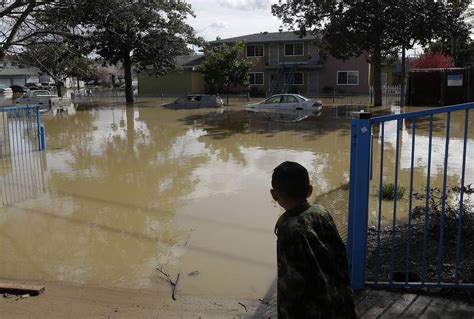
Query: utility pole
403	78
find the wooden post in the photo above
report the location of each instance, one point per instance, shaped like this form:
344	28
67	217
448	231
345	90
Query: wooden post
16	289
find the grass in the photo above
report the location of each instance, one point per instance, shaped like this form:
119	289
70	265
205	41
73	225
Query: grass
388	191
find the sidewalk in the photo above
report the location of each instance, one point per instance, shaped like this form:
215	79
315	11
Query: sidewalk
392	304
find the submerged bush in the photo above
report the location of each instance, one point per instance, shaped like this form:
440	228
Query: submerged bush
388	191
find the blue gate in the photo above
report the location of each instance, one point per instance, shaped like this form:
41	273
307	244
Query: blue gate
415	238
22	136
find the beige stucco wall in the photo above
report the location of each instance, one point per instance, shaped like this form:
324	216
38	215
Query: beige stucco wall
332	66
391	78
175	83
197	83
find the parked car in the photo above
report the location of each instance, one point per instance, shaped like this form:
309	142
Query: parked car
5	90
34	88
18	88
195	101
42	98
281	102
30	84
46	86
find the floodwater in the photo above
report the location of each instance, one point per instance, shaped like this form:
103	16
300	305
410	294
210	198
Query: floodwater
123	191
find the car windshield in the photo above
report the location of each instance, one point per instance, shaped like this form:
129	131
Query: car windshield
39	92
182	100
302	97
273	100
194	98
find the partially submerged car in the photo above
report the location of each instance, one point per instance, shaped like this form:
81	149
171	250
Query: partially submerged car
42	98
5	90
281	102
18	88
195	101
45	100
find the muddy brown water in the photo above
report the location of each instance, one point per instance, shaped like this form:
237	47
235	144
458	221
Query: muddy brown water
126	190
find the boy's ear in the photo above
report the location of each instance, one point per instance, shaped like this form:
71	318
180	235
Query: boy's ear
274	195
310	191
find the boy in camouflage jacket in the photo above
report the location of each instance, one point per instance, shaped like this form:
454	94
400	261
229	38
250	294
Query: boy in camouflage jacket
313	279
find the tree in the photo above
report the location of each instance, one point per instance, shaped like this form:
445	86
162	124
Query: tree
350	28
19	21
58	60
430	60
225	66
14	15
145	35
460	49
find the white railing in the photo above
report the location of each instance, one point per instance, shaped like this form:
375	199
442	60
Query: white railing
390	90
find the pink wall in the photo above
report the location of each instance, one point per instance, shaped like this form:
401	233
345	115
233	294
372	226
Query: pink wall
332	65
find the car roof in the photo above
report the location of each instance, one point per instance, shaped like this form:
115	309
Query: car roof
294	95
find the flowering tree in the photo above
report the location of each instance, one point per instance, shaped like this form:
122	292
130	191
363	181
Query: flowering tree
430	60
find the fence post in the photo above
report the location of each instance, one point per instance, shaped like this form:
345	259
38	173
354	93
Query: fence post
359	197
352	171
38	127
42	138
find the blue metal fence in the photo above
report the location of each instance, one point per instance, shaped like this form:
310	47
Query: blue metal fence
418	246
22	136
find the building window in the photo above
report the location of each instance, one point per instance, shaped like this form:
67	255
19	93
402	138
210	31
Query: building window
256	78
294	49
255	50
297	78
348	78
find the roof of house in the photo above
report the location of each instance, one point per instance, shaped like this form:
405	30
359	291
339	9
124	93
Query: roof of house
266	37
189	61
12	72
185	61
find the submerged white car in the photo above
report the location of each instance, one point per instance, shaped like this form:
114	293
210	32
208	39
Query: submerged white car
286	102
42	98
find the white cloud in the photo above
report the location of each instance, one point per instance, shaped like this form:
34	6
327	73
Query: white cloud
246	4
218	24
249	19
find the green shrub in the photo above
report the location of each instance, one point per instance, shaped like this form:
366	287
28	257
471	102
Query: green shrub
388	191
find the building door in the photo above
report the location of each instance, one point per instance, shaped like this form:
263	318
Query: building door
313	54
273	54
5	82
19	81
384	78
313	83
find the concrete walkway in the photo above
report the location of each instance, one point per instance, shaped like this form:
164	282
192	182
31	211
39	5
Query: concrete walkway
391	304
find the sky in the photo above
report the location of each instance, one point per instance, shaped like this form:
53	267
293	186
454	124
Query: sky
230	18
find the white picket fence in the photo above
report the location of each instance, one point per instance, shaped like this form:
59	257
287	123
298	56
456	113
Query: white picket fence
387	90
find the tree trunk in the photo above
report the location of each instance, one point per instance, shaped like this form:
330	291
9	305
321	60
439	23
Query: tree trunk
127	65
403	78
377	63
130	112
78	86
59	87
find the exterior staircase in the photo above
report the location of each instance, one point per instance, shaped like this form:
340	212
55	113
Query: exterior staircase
283	80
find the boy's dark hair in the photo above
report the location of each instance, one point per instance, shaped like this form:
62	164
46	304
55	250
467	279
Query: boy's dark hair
291	180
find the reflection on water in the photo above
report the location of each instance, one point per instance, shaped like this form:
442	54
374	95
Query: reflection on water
455	156
282	115
129	189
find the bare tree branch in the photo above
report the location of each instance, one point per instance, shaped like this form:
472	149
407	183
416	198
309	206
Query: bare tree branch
17	25
15	5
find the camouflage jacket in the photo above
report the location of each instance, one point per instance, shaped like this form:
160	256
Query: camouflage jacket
313	278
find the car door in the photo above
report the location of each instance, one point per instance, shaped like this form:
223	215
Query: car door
289	102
